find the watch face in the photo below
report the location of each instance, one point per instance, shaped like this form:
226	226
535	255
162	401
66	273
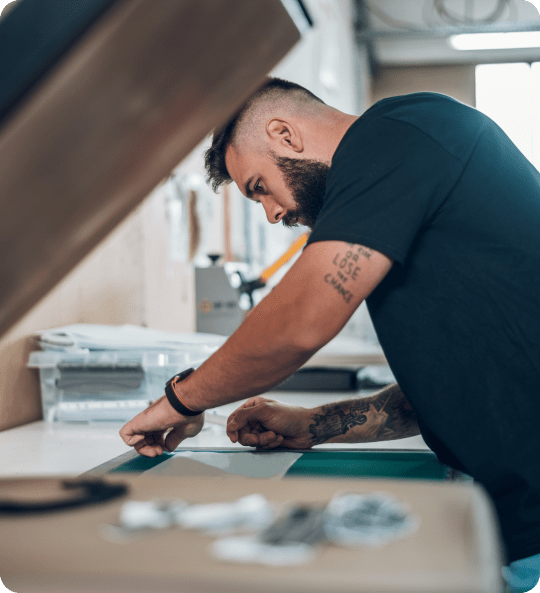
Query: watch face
186	373
180	376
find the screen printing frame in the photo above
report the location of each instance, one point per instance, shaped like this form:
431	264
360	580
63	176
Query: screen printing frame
133	462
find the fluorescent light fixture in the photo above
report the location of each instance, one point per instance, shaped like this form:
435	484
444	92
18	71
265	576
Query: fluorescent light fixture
476	41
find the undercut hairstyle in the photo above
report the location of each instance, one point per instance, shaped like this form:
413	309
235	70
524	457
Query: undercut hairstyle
214	158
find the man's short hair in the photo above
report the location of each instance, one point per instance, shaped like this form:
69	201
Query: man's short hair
214	157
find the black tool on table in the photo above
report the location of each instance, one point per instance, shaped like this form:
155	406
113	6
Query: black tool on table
88	492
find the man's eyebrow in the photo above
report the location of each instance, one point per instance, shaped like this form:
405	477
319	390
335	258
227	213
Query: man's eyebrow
247	189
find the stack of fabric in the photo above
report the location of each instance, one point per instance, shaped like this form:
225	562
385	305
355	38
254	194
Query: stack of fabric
96	373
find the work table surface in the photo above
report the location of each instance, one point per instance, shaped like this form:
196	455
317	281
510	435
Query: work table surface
42	448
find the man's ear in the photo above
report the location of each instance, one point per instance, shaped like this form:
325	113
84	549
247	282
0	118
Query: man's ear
285	134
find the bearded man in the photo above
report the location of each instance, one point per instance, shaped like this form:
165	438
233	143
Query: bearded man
423	207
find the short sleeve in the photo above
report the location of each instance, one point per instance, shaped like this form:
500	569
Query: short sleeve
387	180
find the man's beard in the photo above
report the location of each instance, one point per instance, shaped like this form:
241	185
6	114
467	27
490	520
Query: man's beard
307	181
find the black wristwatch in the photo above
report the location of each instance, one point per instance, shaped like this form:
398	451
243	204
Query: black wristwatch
173	398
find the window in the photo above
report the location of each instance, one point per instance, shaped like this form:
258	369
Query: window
510	95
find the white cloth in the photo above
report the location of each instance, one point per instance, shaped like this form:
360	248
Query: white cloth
121	337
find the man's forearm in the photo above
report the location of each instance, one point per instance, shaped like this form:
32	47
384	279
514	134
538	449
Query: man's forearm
384	416
262	352
301	314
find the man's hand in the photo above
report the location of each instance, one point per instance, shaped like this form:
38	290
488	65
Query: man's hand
266	424
160	428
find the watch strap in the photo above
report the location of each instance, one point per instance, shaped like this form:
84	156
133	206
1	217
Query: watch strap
173	397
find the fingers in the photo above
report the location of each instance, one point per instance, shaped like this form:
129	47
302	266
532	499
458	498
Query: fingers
146	432
276	443
233	427
246	424
129	435
149	451
134	432
150	446
243	416
249	437
260	439
133	440
270	439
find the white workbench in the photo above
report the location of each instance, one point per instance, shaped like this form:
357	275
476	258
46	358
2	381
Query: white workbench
42	448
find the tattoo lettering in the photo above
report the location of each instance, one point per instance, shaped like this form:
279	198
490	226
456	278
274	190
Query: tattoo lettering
361	250
347	264
347	268
385	416
335	283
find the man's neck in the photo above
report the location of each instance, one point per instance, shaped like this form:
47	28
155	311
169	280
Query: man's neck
335	128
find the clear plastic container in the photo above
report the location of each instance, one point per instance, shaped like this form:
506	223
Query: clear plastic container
114	386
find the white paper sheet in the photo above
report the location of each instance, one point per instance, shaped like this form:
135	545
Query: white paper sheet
250	464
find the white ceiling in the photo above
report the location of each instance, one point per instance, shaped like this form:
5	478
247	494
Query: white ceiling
400	48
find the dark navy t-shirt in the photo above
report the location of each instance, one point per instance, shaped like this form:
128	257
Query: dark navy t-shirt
438	187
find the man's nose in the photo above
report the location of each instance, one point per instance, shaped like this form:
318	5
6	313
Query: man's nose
274	212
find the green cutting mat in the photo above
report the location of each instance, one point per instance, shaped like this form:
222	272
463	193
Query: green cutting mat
373	464
140	464
420	465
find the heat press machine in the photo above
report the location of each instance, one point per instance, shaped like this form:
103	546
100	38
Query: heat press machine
223	297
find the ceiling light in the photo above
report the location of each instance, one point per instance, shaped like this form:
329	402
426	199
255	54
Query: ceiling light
475	41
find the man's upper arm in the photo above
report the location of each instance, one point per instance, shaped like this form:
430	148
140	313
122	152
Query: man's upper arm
328	283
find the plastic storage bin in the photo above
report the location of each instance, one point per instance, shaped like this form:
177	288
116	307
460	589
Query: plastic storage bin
98	386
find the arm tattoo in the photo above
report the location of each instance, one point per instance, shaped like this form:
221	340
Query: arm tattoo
387	415
361	250
347	267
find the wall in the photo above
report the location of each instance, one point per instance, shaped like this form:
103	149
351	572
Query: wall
139	274
128	278
455	81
